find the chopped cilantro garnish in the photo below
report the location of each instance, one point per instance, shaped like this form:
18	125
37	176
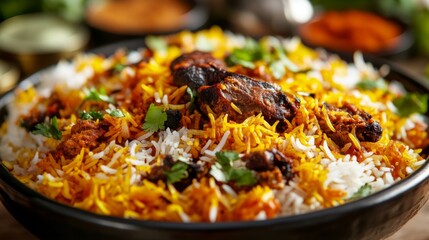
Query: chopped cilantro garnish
115	113
363	191
50	130
224	171
271	52
372	84
119	67
280	53
155	118
411	103
98	95
177	172
247	55
155	43
92	115
242	176
277	69
193	95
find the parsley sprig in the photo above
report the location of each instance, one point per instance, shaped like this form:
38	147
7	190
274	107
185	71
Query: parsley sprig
97	95
154	119
177	172
411	103
156	43
115	113
363	191
223	170
91	115
50	130
369	84
269	50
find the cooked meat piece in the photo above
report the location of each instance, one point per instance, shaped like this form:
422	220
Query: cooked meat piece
241	97
272	179
158	173
84	134
52	106
197	69
237	95
173	119
30	121
348	119
269	160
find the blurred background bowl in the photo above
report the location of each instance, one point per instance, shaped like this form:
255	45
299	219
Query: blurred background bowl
357	30
37	40
112	21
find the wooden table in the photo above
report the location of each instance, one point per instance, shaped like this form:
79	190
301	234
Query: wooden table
416	229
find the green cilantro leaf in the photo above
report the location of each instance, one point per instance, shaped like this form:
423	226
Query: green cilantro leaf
371	84
226	158
115	113
245	56
155	43
155	118
271	52
223	170
193	95
243	177
97	95
363	191
50	130
92	115
283	59
277	69
119	67
177	172
411	103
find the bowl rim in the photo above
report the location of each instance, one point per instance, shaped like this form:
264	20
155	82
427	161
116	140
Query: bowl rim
404	40
318	216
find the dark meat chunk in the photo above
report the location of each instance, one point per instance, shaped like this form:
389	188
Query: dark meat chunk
251	97
52	106
173	119
269	160
158	173
224	92
30	121
349	119
84	134
197	69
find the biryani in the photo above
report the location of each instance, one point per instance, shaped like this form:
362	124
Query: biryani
210	127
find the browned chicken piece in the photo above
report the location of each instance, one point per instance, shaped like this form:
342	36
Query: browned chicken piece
158	173
269	160
84	134
241	97
53	105
230	93
197	69
349	119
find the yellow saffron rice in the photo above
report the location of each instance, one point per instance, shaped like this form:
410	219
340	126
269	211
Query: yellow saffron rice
111	178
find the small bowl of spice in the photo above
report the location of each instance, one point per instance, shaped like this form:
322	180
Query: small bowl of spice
355	30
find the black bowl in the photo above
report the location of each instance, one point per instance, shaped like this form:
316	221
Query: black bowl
374	217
